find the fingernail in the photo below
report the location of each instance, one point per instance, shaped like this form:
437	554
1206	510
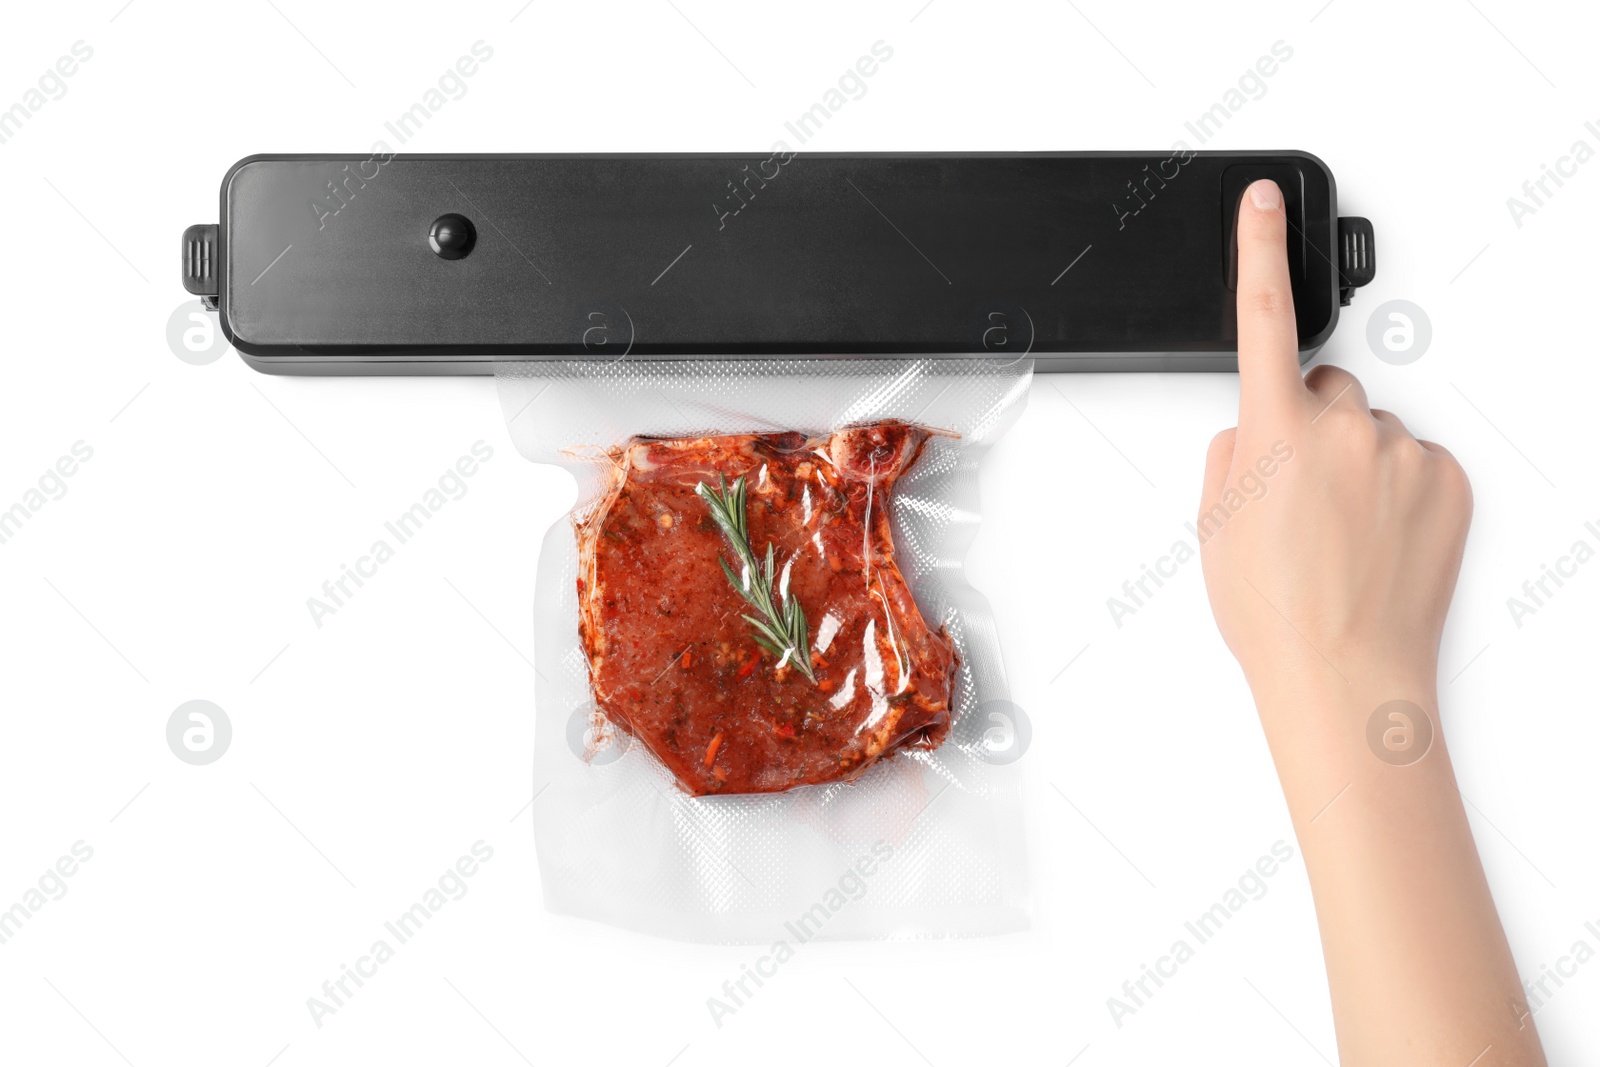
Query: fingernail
1265	196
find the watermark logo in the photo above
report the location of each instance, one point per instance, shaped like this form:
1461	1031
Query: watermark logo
51	85
1251	885
850	887
193	336
1565	968
1399	733
607	331
1001	328
739	189
199	732
1251	85
1399	332
52	485
51	886
450	485
1250	486
998	732
452	884
851	86
1537	192
1141	193
1537	592
594	739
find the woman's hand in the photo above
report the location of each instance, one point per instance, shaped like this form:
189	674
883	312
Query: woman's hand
1331	541
1334	537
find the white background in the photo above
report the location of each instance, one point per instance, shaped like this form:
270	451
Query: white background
370	754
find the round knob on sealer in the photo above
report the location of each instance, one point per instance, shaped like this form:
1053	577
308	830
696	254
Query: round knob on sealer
452	236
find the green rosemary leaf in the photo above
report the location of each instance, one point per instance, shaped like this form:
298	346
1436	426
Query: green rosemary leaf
781	625
796	617
768	645
740	515
765	634
767	630
738	583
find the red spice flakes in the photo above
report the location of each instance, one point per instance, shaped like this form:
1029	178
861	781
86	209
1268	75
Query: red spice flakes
685	660
711	749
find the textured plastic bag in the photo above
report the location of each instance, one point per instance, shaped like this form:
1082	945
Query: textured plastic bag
923	843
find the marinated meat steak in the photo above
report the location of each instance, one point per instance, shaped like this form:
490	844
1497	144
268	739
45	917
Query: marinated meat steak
743	615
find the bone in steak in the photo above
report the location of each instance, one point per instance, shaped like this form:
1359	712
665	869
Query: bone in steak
676	658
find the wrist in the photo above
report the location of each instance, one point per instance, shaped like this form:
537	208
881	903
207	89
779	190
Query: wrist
1321	693
1328	732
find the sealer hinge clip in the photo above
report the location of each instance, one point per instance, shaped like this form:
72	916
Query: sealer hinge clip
201	261
1357	256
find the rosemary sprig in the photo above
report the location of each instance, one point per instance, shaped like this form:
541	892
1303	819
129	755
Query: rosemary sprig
781	627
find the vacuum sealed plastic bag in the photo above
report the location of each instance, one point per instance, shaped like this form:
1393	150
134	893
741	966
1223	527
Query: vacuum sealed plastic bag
762	679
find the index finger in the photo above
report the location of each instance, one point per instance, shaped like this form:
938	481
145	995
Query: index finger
1269	344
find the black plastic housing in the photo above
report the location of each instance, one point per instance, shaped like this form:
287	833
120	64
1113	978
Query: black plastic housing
1093	261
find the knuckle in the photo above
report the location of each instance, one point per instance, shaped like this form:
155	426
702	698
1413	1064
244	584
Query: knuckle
1394	424
1453	479
1327	376
1412	460
1352	426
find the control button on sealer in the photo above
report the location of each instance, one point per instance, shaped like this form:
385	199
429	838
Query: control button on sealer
452	236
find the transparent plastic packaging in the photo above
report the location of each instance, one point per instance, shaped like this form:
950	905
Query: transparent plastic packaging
743	743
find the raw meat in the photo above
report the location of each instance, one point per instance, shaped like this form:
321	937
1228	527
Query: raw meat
734	688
